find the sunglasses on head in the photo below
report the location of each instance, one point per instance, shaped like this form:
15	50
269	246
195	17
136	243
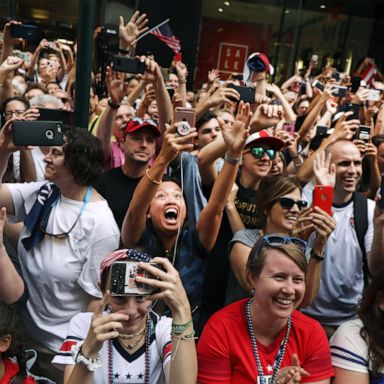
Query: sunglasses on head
277	240
258	152
287	203
139	120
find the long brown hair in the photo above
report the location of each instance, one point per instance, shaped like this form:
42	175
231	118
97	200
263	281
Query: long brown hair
373	320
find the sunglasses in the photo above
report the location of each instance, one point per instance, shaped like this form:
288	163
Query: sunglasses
287	203
258	152
139	120
276	241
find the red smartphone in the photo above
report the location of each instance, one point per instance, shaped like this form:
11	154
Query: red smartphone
323	197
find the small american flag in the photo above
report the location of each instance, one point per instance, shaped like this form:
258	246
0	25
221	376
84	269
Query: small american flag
165	34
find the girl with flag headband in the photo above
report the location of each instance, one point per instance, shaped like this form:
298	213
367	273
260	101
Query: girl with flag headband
124	341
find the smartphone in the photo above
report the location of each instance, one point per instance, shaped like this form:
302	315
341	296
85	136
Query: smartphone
355	108
38	133
336	76
363	133
165	73
24	31
381	201
289	127
321	130
355	83
339	91
247	94
123	279
25	56
52	64
170	91
127	65
317	84
47	114
373	95
52	45
323	197
187	116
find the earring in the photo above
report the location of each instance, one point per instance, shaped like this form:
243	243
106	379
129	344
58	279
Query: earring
252	292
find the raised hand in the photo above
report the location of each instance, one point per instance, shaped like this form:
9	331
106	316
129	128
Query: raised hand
116	86
6	139
103	327
132	30
236	134
168	284
345	129
266	116
213	75
173	143
10	64
324	171
182	71
324	225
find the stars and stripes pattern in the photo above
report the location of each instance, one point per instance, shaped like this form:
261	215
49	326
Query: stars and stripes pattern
165	34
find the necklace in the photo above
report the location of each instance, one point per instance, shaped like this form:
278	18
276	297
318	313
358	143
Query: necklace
148	333
280	354
134	344
131	335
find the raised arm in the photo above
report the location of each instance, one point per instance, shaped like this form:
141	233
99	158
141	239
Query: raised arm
234	136
11	284
375	257
117	89
135	218
290	116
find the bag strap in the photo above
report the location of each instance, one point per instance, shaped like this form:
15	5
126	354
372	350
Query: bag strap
360	214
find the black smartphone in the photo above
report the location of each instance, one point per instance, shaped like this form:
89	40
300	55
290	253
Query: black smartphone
127	65
321	130
24	31
355	83
171	92
336	75
363	133
38	133
340	91
355	108
247	94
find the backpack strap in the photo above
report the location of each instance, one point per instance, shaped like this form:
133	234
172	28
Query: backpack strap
360	215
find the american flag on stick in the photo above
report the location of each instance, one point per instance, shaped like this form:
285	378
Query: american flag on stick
163	32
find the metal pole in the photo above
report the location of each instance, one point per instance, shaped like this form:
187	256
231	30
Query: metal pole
292	58
85	28
279	40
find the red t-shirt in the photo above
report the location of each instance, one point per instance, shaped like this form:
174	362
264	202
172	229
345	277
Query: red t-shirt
225	352
11	370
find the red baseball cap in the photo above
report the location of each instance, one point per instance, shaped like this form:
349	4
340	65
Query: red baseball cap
137	123
263	137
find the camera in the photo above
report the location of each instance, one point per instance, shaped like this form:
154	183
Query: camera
123	279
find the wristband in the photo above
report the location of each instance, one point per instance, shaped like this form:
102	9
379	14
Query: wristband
112	105
232	160
179	329
78	357
316	257
150	178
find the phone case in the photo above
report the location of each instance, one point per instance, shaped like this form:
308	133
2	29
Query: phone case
127	65
38	133
184	114
322	198
24	31
246	94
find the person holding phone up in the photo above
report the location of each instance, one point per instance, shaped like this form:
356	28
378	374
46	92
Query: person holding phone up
68	227
124	340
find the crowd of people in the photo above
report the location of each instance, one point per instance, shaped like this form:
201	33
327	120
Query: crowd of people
191	236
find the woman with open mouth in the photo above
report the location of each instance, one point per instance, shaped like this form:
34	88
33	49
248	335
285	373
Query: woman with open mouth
264	339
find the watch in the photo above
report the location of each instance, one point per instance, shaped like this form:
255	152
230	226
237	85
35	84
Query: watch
112	105
232	160
78	357
316	256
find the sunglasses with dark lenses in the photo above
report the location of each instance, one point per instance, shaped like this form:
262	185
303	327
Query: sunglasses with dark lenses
141	121
287	203
276	241
258	152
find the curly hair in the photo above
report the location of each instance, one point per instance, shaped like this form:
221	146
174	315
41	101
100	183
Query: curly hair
373	320
84	155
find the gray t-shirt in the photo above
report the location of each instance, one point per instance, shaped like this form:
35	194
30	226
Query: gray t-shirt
235	291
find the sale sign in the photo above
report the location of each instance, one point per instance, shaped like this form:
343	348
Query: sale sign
232	57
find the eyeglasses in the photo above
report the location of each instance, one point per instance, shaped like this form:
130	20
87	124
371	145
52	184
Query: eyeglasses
60	236
287	203
258	152
276	241
141	121
17	113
